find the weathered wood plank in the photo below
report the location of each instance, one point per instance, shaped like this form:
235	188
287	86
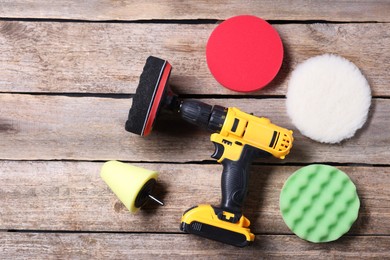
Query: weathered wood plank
147	246
71	196
91	128
362	10
108	58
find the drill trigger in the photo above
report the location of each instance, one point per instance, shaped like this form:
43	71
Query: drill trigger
219	149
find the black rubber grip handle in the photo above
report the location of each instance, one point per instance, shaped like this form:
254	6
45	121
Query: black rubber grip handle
235	178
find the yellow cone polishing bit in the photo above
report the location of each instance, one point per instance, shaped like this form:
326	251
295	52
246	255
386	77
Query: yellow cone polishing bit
132	185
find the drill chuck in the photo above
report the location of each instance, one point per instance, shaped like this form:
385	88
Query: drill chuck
203	115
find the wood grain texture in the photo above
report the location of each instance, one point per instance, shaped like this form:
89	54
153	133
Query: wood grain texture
375	10
108	58
71	196
34	127
151	246
82	72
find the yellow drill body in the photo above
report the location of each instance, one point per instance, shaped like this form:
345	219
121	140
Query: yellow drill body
242	138
241	128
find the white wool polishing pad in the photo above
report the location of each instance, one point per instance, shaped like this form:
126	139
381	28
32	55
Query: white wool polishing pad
328	98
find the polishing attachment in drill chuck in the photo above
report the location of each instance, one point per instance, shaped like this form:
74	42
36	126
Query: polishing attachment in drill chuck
203	115
149	96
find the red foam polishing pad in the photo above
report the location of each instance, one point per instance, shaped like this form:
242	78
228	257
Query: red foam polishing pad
244	53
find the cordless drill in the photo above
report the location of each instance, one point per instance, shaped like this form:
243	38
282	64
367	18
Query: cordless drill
240	138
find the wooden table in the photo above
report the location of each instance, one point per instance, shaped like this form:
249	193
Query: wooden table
68	72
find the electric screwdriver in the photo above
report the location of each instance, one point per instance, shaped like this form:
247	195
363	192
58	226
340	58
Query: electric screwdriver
239	139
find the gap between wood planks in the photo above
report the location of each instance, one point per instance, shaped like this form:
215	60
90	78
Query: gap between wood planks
157	233
178	21
184	96
174	10
205	162
145	246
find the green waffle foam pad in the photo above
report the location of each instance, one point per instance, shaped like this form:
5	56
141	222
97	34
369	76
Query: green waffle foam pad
319	203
